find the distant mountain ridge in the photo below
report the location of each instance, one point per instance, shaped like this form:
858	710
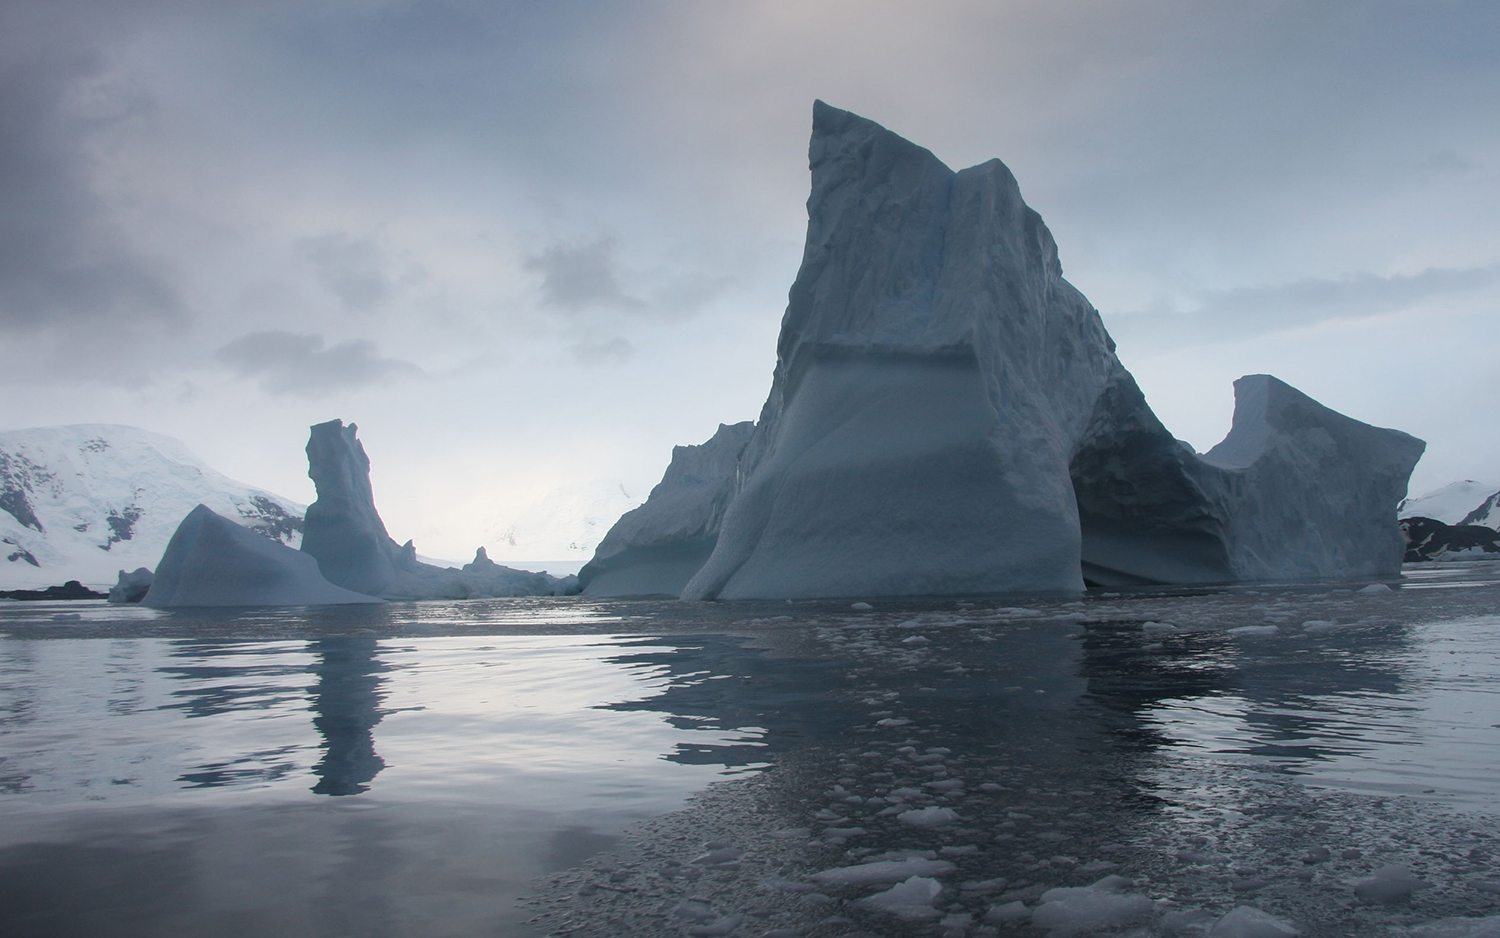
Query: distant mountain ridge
84	501
1457	503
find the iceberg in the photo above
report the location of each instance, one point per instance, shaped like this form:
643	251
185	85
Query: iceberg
656	548
344	535
948	415
212	561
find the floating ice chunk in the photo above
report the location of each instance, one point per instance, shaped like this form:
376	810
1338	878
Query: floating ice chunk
718	855
1249	922
892	721
718	927
1375	588
1255	631
1079	910
946	784
697	910
1318	626
910	900
1487	927
1008	913
861	607
1158	628
1390	884
915	640
882	872
931	816
1186	921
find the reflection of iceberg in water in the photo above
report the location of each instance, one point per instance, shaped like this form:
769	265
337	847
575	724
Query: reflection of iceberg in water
346	707
726	684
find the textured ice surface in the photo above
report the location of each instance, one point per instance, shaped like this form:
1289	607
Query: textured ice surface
1080	910
211	561
82	502
947	415
1249	922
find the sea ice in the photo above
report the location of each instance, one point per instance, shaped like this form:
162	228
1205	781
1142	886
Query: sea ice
931	816
1008	913
1390	884
1080	910
911	900
1486	927
882	872
1249	922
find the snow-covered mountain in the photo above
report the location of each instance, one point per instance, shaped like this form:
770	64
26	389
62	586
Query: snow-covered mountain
1464	502
83	502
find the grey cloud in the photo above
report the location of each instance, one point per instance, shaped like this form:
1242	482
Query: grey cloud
62	260
354	269
1253	311
579	277
292	363
609	351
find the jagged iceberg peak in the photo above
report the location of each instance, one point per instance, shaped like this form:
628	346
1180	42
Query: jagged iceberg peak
342	529
934	373
897	243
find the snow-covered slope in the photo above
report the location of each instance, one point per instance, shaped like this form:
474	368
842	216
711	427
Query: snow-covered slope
83	502
1464	502
1458	503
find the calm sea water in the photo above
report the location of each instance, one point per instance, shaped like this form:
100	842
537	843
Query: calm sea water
413	769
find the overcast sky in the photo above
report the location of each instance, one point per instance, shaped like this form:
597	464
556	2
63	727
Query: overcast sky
528	247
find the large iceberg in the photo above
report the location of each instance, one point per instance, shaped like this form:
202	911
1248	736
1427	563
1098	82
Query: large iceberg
656	548
212	561
947	415
343	532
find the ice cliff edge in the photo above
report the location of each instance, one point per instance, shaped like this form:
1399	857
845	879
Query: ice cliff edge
947	415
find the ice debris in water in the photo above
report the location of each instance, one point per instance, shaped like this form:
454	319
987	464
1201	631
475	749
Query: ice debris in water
1007	913
861	607
1158	628
911	900
930	816
1081	910
1487	927
1376	588
882	872
1390	884
1249	922
1255	631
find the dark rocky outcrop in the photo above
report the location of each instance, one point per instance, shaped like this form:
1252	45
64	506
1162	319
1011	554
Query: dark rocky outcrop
1429	539
69	590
